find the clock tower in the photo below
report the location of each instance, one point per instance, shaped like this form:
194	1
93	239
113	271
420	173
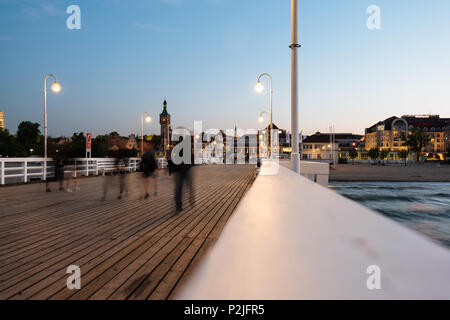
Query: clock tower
164	121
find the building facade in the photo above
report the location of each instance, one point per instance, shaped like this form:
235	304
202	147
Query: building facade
389	134
325	147
115	143
2	120
281	146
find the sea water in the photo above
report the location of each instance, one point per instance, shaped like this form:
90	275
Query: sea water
422	206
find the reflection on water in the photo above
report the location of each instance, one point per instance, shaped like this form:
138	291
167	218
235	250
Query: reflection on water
422	206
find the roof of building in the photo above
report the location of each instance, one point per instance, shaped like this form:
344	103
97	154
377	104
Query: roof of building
275	127
325	137
422	121
387	124
164	113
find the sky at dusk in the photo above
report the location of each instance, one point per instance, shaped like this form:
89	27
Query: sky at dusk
204	57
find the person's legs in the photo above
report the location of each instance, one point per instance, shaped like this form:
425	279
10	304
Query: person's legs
146	182
121	184
155	184
179	190
75	181
189	185
61	179
69	182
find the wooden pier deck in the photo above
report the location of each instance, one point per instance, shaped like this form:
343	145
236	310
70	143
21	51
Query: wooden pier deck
126	249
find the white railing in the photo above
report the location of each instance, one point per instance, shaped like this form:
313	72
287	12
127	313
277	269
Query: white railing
290	238
318	172
26	169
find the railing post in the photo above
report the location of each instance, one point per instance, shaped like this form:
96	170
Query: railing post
43	163
25	171
96	167
2	172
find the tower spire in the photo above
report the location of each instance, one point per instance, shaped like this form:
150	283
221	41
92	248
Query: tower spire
164	121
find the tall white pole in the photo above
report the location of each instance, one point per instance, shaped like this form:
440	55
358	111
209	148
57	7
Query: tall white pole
148	119
55	89
335	152
45	123
295	156
271	121
45	127
142	134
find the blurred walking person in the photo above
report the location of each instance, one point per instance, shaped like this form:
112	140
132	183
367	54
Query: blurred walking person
183	176
72	179
121	164
59	174
149	165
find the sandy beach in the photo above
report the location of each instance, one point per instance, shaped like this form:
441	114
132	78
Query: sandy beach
424	172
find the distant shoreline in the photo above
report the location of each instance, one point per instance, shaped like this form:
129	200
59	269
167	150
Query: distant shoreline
427	172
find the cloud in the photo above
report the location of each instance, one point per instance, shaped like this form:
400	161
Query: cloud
36	9
51	9
156	27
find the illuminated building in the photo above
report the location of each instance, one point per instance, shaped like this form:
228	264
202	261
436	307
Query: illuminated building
2	120
389	134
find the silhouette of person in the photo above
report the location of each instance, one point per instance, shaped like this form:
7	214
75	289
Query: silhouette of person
121	163
149	166
59	172
183	176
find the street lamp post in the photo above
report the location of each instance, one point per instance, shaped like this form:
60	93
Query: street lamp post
295	155
56	87
261	116
148	119
261	119
259	88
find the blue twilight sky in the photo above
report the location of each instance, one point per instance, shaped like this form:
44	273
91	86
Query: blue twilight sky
204	57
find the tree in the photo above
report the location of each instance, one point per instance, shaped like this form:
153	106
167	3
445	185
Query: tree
99	146
417	140
9	146
403	154
353	154
77	147
28	134
384	154
156	139
374	153
122	152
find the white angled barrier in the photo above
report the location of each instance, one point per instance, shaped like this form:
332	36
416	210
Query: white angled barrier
290	238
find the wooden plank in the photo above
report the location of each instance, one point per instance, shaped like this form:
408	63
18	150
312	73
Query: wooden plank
153	260
126	249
